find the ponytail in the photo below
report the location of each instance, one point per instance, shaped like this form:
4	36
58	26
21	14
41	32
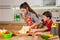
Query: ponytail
26	5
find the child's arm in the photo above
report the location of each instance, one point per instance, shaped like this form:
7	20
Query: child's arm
42	29
39	30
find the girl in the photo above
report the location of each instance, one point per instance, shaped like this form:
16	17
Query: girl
47	21
29	15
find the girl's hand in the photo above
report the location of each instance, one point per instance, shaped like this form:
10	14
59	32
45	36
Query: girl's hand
34	25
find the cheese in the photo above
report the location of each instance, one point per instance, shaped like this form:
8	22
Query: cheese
24	29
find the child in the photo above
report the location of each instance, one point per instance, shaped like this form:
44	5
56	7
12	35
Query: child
30	16
47	21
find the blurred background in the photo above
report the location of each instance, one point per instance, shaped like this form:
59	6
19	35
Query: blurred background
9	9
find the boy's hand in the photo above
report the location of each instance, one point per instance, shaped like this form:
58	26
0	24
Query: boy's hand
33	30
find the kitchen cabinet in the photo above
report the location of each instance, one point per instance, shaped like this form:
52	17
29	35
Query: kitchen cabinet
6	15
35	2
31	2
11	2
57	2
49	2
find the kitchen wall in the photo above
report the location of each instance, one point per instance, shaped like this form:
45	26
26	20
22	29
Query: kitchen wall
7	8
6	15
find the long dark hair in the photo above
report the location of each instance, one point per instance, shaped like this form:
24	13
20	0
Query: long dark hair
26	5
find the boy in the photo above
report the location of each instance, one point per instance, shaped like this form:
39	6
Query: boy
47	21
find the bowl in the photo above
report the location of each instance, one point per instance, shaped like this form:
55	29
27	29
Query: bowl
7	35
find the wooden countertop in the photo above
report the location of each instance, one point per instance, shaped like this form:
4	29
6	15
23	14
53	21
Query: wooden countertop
22	38
28	38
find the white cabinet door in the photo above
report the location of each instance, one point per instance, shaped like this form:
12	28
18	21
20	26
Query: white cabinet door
35	2
57	2
49	2
6	2
6	15
11	2
18	2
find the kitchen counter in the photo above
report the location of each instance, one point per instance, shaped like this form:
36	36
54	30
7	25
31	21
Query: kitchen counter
17	26
9	22
22	38
28	38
